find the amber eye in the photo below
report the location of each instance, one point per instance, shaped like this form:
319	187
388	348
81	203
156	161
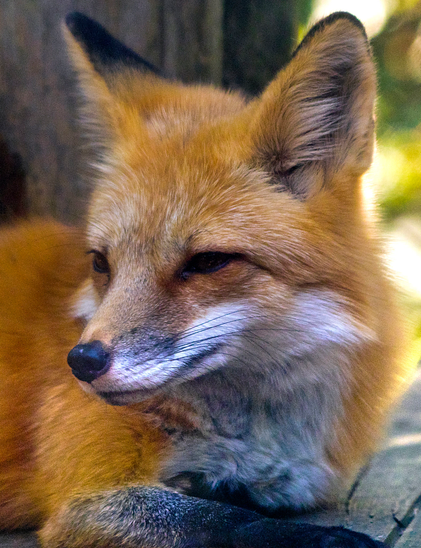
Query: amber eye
100	262
206	263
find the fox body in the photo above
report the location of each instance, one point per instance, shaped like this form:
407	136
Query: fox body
236	337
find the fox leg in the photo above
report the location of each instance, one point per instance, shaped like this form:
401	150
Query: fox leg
149	517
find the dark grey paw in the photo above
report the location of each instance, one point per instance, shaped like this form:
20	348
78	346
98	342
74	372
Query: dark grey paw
270	533
150	517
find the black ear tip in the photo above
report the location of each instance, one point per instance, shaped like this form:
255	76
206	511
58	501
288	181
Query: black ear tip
71	18
82	26
104	50
76	20
329	20
336	16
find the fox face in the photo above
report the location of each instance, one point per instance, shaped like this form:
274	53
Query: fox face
182	286
235	268
208	228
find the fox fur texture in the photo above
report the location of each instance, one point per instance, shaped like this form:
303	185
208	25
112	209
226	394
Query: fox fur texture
232	331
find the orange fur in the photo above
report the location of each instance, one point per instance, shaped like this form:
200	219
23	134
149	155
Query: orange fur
40	401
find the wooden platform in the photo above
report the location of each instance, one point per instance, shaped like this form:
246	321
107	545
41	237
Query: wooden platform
384	502
386	498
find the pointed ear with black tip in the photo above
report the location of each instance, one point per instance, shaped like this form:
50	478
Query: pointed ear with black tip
315	120
107	71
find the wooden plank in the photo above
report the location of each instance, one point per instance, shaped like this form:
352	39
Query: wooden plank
383	500
18	540
411	537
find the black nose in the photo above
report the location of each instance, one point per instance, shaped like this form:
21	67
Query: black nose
88	361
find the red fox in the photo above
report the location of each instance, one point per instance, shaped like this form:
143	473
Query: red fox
231	331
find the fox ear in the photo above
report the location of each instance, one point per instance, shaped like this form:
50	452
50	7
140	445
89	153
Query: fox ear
105	68
316	118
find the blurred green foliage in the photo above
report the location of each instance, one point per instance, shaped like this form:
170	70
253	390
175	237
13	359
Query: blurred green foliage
399	173
397	169
397	50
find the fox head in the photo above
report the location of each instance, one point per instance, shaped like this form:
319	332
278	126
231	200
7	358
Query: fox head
225	233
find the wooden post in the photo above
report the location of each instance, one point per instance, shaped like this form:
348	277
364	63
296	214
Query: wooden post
259	36
192	39
38	114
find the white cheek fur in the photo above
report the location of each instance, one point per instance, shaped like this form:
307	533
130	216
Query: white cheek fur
320	319
85	302
241	335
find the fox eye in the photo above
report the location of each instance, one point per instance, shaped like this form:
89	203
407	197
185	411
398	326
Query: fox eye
206	263
100	262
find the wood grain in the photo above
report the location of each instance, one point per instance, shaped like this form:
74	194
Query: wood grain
411	537
38	114
385	497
